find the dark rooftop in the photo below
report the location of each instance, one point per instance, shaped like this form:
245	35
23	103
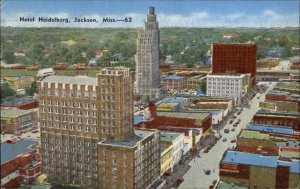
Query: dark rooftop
19	101
11	151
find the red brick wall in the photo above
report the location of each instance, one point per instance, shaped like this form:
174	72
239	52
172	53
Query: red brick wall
282	177
234	171
275	97
12	184
293	122
240	58
253	149
175	122
13	165
23	107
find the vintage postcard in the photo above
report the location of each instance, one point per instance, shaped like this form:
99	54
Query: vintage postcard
150	94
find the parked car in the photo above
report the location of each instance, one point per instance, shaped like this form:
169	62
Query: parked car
207	171
233	141
233	129
226	130
224	139
167	174
231	121
179	181
235	125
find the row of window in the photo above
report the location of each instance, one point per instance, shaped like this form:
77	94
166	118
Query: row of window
70	104
69	127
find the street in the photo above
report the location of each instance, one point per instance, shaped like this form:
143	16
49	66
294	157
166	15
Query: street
195	177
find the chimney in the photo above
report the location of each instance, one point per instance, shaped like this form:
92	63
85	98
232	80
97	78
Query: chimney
151	108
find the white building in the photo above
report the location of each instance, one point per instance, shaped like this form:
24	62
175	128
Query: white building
147	59
227	85
177	141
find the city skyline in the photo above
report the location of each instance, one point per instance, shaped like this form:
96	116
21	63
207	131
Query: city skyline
170	13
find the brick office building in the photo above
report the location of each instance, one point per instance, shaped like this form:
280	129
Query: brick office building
86	132
288	119
256	171
236	58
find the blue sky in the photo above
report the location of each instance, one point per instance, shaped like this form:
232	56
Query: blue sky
170	13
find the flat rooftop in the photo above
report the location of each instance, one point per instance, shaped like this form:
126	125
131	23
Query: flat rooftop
129	142
184	115
172	100
271	129
79	80
254	135
172	77
168	136
11	151
234	157
14	113
19	101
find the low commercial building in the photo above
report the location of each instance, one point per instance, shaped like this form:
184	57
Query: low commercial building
171	104
16	120
227	85
165	158
19	82
193	83
290	119
280	106
177	141
168	107
271	129
20	165
176	83
257	171
25	103
202	103
256	142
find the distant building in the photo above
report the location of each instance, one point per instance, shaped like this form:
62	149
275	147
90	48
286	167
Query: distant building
16	120
20	53
193	83
176	83
19	82
238	58
147	59
256	171
25	103
227	86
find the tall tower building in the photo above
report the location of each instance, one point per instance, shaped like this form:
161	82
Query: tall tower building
147	59
86	132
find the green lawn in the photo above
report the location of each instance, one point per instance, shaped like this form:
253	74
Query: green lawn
16	72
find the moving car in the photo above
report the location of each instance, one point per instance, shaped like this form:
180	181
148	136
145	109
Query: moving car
224	139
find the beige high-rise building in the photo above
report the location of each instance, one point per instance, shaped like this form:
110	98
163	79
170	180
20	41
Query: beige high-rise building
147	59
86	125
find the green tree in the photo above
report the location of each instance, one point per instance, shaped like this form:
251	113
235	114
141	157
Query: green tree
31	89
6	91
9	57
203	87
